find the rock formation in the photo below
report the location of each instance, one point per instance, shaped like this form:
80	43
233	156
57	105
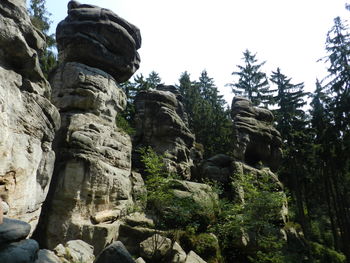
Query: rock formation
255	137
28	120
99	38
14	248
161	123
93	183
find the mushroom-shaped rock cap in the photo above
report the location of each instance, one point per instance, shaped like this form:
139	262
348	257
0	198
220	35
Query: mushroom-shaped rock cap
99	38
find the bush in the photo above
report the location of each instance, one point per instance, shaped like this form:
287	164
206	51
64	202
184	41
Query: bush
249	225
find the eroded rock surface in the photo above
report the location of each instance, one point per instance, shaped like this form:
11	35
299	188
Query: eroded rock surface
28	120
99	38
256	138
93	187
161	123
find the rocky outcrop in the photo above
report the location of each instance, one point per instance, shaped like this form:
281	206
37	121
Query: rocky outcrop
161	123
75	251
14	247
93	183
99	38
256	140
28	120
115	253
93	169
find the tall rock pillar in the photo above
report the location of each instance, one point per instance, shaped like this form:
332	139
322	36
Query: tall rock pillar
93	186
28	120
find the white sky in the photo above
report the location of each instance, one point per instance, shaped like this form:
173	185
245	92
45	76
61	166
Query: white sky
194	35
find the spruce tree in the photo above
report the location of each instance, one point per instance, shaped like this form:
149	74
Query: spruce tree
252	82
208	116
40	18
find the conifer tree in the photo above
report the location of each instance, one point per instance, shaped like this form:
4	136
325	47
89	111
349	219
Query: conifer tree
208	117
252	82
40	18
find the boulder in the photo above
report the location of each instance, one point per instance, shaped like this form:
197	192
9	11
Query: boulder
115	253
24	251
75	251
93	185
134	229
99	38
12	230
178	254
140	260
47	256
217	168
256	140
28	120
156	248
192	257
161	123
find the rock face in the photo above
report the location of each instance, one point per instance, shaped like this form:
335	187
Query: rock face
161	123
99	38
28	120
14	247
93	169
115	253
12	230
256	139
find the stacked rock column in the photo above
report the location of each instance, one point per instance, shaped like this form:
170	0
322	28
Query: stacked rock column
93	186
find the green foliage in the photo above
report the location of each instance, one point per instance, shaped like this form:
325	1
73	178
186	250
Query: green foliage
209	119
255	218
124	124
252	82
204	244
170	210
40	18
322	254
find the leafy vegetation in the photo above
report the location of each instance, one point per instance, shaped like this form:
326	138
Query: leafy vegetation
40	18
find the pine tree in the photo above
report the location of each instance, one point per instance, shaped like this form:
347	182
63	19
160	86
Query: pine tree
40	18
252	82
292	124
337	169
208	117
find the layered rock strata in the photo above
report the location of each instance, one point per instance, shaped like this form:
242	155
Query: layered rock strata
256	140
99	38
93	170
28	120
93	182
161	123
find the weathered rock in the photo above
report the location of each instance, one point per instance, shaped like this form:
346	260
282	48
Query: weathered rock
140	260
192	257
132	236
27	118
200	194
12	230
94	164
47	256
20	43
161	123
115	253
256	138
99	38
241	169
217	168
24	251
178	254
139	190
156	248
75	251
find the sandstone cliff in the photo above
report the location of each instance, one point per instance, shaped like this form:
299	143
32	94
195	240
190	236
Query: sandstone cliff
93	184
28	120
